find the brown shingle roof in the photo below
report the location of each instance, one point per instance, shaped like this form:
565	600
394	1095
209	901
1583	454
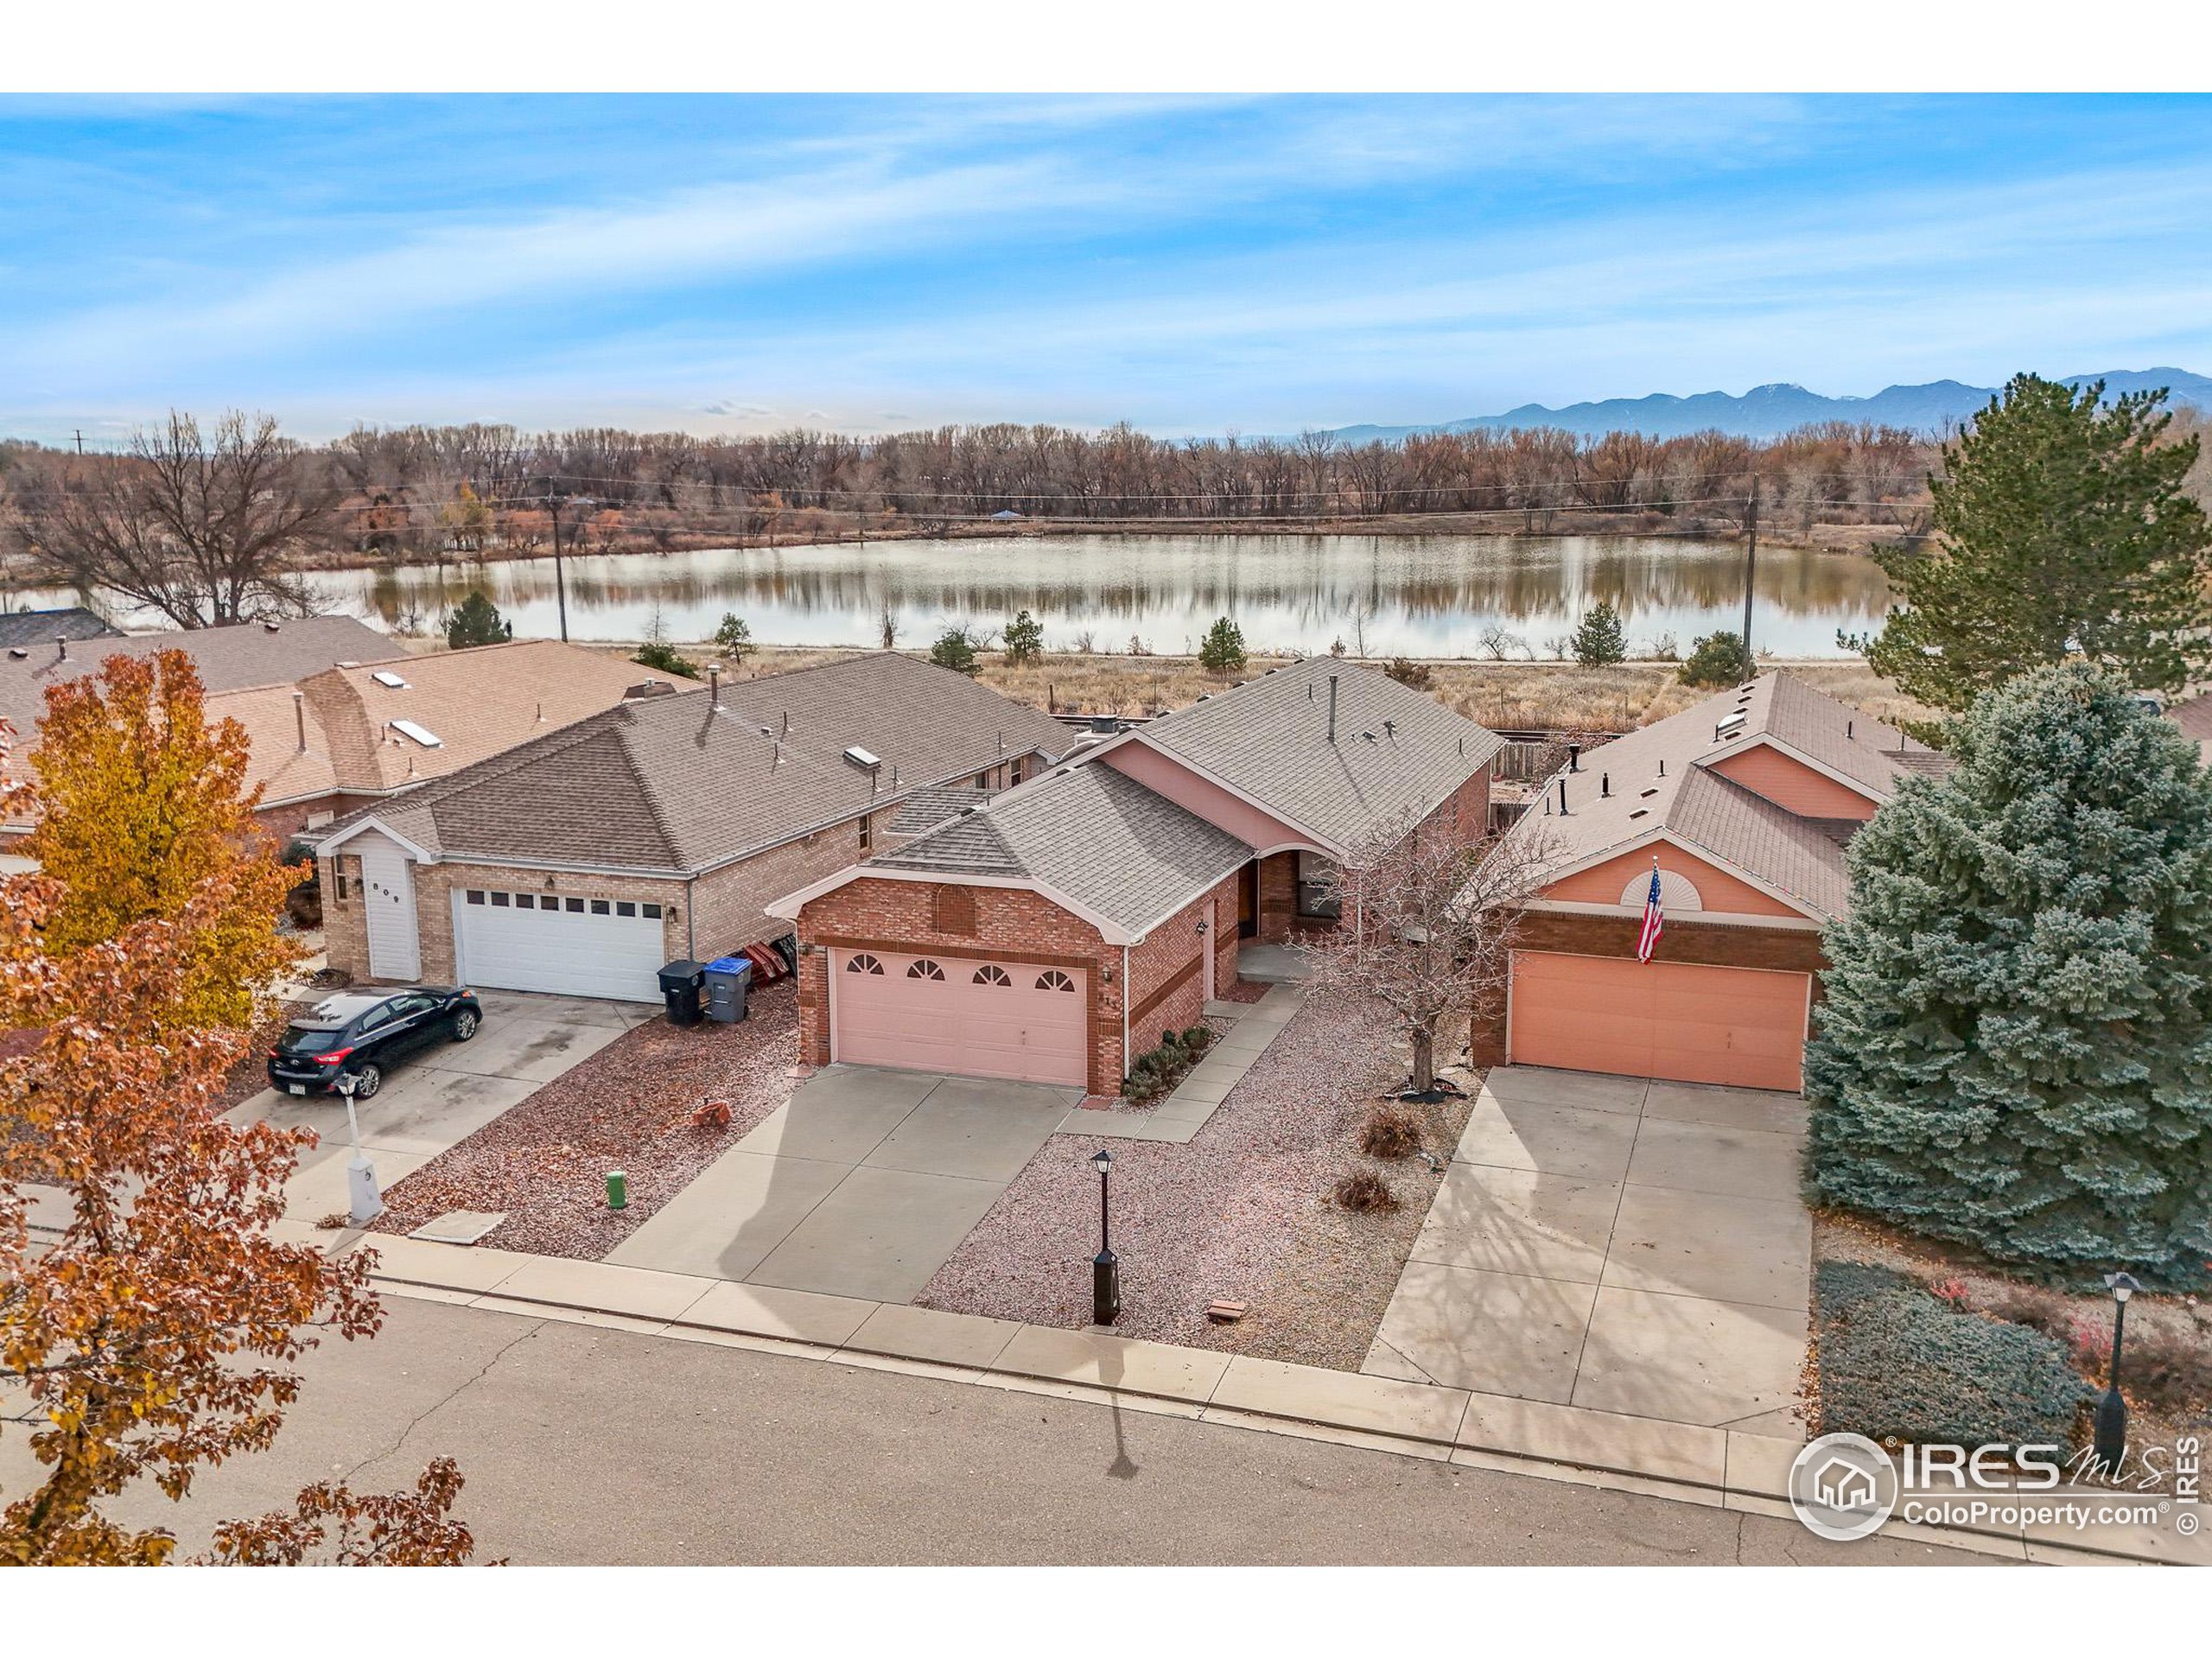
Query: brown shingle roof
1660	779
1397	753
1091	833
674	784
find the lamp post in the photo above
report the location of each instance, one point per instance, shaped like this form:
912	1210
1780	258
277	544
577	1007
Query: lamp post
2112	1410
365	1203
1105	1266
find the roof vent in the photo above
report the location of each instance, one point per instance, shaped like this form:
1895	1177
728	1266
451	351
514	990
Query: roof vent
860	758
422	735
1649	792
1729	727
18	652
643	689
385	677
1641	812
271	627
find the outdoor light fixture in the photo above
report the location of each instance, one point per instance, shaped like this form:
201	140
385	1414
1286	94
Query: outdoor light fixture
365	1203
1105	1266
2112	1410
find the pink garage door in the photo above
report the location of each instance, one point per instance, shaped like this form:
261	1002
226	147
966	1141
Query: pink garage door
952	1013
1693	1024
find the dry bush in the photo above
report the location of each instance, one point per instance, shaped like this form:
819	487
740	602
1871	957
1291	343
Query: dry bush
1390	1131
1363	1190
2169	1371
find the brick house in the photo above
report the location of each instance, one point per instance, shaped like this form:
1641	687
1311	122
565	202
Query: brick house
581	861
1744	805
1054	932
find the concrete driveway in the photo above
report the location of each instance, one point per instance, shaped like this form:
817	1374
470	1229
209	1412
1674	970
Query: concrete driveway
860	1185
442	1094
1626	1245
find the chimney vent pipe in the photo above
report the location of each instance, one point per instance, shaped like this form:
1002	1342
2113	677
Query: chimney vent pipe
62	645
1562	799
1333	708
300	717
1575	757
1605	786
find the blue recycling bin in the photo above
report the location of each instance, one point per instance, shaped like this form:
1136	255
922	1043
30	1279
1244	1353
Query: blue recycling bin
727	978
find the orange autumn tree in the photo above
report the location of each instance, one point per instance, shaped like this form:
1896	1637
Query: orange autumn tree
152	1330
142	806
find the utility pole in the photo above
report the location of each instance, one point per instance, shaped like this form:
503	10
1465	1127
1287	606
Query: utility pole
560	586
1750	572
80	442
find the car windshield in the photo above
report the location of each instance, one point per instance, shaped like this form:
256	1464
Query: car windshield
305	1040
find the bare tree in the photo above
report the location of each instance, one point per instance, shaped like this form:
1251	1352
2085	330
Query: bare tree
887	627
204	532
1429	912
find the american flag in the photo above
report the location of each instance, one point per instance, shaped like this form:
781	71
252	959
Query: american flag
1655	918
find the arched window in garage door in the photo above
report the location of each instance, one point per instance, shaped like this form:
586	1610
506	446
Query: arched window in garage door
863	963
990	973
925	969
1053	979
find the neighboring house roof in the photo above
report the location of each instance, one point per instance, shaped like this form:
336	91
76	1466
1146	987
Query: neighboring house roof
1088	834
677	784
1398	752
476	703
2194	719
927	808
1662	783
247	654
27	628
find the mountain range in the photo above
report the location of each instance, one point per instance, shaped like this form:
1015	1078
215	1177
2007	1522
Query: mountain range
1770	411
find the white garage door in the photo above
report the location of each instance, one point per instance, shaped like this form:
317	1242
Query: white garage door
977	1018
546	942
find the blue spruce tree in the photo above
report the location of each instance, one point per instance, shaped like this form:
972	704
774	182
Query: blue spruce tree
2016	1048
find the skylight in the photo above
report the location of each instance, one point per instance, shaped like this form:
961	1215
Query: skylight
385	677
422	735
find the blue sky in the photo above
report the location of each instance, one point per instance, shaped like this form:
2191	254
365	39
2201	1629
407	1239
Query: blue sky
1188	265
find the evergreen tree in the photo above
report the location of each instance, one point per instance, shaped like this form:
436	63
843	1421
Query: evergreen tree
2066	533
733	638
1717	659
955	651
1221	652
1025	639
2016	1048
1599	640
477	621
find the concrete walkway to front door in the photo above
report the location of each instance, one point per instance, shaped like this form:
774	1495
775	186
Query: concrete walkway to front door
860	1185
1614	1243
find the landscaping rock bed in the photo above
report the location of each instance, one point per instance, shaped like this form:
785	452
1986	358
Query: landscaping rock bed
628	1107
1243	1211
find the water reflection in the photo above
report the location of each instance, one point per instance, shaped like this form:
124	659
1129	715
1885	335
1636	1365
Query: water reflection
1422	596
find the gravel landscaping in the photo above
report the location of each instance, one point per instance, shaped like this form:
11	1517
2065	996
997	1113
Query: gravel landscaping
1242	1212
627	1107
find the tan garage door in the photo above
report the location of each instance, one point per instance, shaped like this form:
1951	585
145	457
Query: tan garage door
1693	1024
978	1019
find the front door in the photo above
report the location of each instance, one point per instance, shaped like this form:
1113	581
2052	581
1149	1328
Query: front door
388	897
1247	901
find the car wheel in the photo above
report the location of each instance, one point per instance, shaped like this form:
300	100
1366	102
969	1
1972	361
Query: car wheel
367	1081
464	1026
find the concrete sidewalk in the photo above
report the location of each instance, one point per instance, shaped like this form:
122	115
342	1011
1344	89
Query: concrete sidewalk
1194	1101
1724	1468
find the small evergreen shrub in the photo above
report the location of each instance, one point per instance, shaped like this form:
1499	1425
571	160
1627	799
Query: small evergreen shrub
1718	659
955	651
1897	1364
659	654
1221	653
1198	1039
1025	639
1158	1071
1599	640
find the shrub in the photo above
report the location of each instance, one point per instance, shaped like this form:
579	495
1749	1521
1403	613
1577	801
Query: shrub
1718	659
1198	1039
733	637
1221	652
1363	1190
1159	1070
659	654
955	651
1599	641
1406	671
1897	1364
476	621
2171	1372
1390	1131
1952	1290
2038	1309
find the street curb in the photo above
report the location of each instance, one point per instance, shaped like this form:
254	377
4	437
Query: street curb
1588	1465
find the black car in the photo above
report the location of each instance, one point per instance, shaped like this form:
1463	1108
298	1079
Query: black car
359	1035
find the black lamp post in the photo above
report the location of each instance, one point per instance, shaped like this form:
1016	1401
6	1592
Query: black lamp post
1105	1266
2112	1410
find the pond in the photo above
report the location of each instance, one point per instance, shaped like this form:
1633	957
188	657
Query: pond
1425	595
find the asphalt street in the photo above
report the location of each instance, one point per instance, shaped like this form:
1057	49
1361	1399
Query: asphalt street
585	1445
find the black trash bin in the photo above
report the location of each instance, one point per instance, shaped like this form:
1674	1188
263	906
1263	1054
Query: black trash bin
680	984
727	978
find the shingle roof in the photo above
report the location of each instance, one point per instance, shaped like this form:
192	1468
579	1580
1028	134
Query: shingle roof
927	808
248	654
477	703
1091	833
674	784
1398	752
1660	778
27	628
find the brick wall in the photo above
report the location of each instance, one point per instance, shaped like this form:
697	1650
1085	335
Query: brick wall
1167	979
1791	949
1012	926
